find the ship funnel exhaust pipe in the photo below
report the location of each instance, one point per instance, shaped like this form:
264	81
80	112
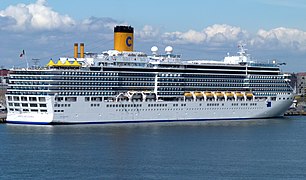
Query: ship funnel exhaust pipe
82	50
124	38
76	50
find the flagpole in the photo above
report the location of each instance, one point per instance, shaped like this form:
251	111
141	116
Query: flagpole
25	56
26	61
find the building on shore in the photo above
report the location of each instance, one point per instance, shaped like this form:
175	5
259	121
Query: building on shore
3	87
301	83
4	77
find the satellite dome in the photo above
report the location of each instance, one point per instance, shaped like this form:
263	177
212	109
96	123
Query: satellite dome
168	50
154	49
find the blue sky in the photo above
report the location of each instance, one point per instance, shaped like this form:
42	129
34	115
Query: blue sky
271	29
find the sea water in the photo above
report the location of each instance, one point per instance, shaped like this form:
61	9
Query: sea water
252	149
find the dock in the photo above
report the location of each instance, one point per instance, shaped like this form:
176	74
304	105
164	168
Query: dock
2	117
295	112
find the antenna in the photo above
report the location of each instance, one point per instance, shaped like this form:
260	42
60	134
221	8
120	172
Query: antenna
35	62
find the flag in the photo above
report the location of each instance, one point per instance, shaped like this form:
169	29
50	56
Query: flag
22	54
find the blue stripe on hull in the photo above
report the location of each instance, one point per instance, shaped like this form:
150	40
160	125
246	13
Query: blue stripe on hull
26	122
129	122
156	121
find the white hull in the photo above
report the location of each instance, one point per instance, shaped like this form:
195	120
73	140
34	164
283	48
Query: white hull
127	112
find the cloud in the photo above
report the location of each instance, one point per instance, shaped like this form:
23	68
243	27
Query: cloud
222	35
224	32
280	38
6	21
40	17
191	36
215	34
98	24
37	16
45	33
148	32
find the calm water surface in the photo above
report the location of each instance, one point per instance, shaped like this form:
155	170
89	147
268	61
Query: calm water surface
259	149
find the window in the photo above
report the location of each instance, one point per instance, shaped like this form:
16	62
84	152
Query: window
23	98
33	105
24	104
71	99
16	98
96	99
59	99
43	105
42	99
32	99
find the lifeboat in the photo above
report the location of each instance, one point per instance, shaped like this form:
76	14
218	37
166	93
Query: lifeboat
135	95
229	95
198	94
249	95
149	95
219	95
188	94
239	95
209	95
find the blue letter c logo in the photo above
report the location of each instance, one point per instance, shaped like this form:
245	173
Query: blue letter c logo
128	41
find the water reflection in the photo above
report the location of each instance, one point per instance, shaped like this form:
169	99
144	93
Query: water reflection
186	150
26	129
96	128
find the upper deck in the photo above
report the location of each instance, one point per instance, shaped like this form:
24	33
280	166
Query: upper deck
164	62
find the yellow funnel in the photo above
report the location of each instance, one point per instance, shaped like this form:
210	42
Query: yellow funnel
123	38
75	50
82	50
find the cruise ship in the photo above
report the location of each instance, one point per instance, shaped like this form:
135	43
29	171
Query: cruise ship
124	86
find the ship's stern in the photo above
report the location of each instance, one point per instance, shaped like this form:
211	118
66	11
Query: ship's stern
29	109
